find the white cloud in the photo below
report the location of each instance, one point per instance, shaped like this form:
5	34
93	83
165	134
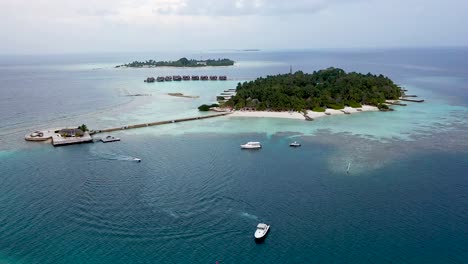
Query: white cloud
129	25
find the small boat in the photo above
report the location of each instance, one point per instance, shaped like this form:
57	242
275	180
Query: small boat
251	145
137	159
109	139
261	232
295	144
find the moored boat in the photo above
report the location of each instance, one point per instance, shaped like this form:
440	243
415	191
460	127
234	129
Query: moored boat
295	144
109	139
251	145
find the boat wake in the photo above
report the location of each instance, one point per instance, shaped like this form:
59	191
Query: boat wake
113	156
249	216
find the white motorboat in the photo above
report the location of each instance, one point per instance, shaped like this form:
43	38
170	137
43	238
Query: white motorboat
295	144
109	139
262	230
251	145
137	159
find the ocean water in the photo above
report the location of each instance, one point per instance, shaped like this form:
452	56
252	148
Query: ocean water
196	197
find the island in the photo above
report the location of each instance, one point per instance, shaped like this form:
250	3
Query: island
182	62
329	88
300	95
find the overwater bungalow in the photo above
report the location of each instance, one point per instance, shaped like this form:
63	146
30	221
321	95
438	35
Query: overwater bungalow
186	78
213	77
204	78
150	79
222	78
160	79
168	78
195	78
177	78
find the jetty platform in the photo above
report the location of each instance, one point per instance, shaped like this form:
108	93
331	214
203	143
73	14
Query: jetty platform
58	140
57	137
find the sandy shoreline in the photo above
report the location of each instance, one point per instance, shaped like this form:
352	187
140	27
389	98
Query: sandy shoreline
297	115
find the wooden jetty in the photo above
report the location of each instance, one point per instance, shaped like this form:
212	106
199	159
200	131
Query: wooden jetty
409	95
395	103
158	123
412	100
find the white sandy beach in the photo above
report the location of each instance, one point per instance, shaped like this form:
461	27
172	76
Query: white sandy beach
297	115
291	115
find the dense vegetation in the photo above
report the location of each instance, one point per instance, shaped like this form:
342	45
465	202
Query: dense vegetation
329	88
83	128
205	107
183	62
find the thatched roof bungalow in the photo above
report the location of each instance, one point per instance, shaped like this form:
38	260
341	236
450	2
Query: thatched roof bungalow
71	132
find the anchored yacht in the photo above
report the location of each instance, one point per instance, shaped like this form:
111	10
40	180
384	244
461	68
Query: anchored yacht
295	144
251	145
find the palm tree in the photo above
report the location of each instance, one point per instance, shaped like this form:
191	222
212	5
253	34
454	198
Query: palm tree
83	128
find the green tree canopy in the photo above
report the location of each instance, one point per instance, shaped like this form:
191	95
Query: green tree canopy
328	88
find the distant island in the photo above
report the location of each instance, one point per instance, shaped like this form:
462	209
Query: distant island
182	62
330	88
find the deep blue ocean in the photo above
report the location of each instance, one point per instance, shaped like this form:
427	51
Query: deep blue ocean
196	197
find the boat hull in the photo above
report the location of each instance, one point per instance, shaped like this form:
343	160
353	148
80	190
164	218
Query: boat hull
250	147
260	236
108	141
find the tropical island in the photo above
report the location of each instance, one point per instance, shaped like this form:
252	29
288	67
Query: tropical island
182	62
330	88
302	95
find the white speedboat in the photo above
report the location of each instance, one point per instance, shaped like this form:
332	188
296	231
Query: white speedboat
137	159
295	144
251	145
109	139
261	232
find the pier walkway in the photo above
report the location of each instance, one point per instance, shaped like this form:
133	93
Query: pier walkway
158	123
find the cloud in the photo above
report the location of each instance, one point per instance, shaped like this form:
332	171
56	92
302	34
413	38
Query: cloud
243	7
130	25
153	11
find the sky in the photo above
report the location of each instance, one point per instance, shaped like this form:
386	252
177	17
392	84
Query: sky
80	26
